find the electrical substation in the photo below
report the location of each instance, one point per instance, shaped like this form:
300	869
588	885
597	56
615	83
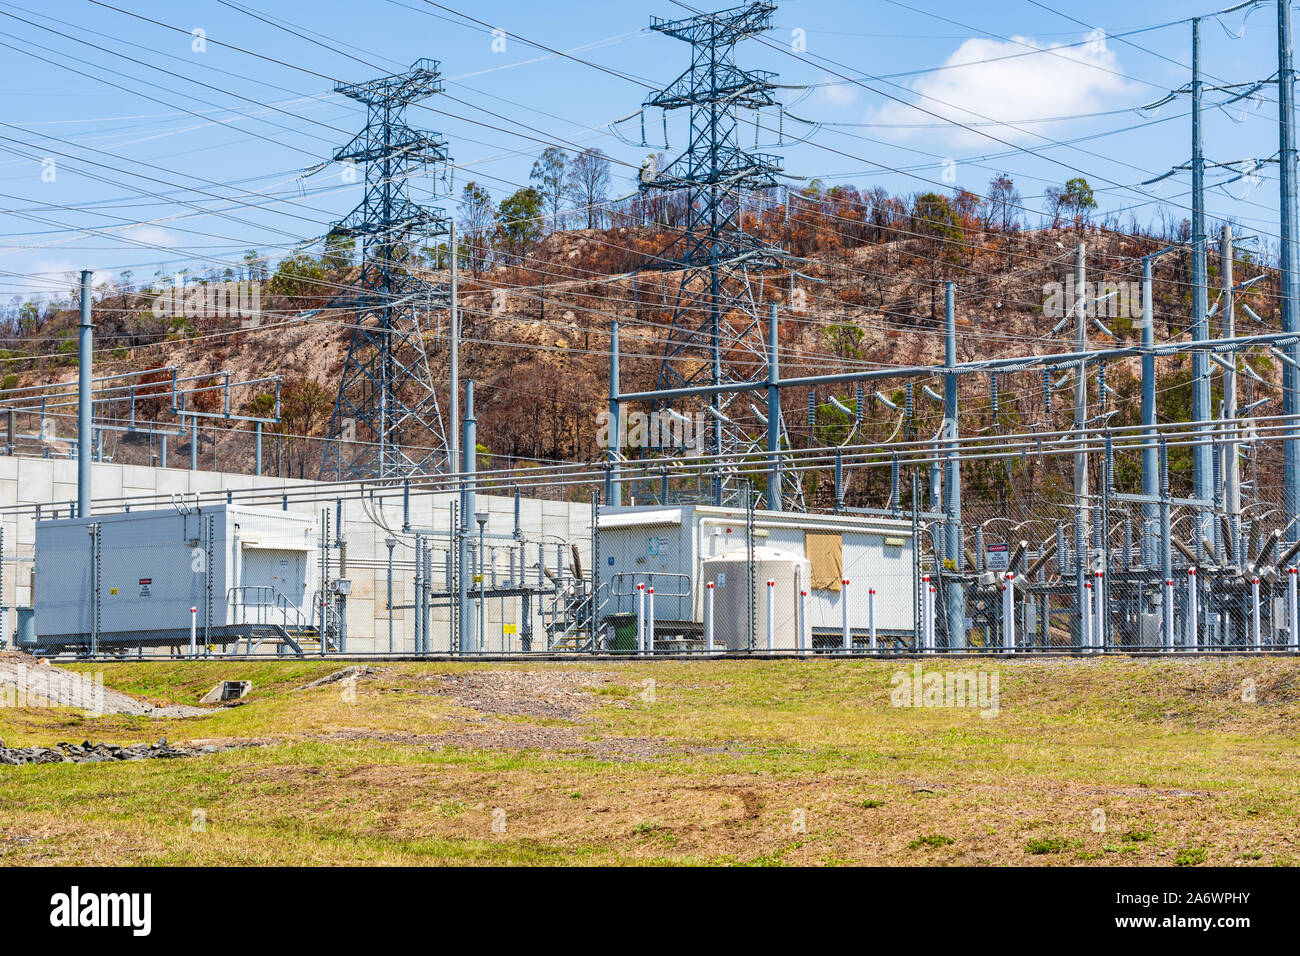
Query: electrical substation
407	541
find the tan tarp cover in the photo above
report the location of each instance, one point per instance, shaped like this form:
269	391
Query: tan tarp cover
826	552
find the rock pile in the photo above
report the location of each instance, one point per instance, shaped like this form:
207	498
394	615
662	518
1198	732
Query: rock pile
86	752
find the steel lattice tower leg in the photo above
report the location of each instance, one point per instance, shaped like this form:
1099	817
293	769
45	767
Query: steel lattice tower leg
715	335
386	421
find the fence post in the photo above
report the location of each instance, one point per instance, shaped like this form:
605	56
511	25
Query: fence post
1009	612
1192	610
846	640
871	618
771	615
650	620
1099	596
640	618
1086	617
925	612
1254	611
1294	608
931	644
708	617
1169	614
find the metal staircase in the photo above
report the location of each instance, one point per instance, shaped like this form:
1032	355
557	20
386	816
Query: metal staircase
270	617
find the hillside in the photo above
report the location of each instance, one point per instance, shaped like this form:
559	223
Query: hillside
535	330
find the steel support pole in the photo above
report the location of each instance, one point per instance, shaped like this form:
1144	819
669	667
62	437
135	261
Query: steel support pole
773	413
467	505
1231	463
257	451
613	488
453	361
1080	456
1202	453
1193	612
956	594
1290	226
1150	453
85	345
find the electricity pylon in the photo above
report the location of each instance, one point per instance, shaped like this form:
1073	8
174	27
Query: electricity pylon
386	421
715	336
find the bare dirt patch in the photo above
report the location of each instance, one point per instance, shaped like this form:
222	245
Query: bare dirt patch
555	695
568	698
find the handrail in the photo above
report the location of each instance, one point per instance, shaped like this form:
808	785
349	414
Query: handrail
268	604
648	578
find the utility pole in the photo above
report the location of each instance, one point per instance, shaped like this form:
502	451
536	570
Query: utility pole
85	413
1081	436
1202	452
1287	175
956	613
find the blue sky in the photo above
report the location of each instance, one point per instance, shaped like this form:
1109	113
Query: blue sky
122	136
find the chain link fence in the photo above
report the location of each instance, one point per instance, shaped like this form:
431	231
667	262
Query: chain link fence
507	569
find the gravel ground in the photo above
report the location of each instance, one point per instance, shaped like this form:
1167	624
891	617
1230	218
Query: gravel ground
29	676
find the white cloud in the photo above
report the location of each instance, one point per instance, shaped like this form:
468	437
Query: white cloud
59	278
837	94
155	235
1059	80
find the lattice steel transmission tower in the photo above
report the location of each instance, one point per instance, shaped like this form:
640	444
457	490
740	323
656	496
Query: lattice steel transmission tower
715	335
386	421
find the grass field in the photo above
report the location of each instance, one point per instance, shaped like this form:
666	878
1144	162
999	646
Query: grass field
1085	763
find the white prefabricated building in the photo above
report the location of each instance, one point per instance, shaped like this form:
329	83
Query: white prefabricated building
667	548
141	572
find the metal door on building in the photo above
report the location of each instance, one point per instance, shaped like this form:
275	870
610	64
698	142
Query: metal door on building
286	571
